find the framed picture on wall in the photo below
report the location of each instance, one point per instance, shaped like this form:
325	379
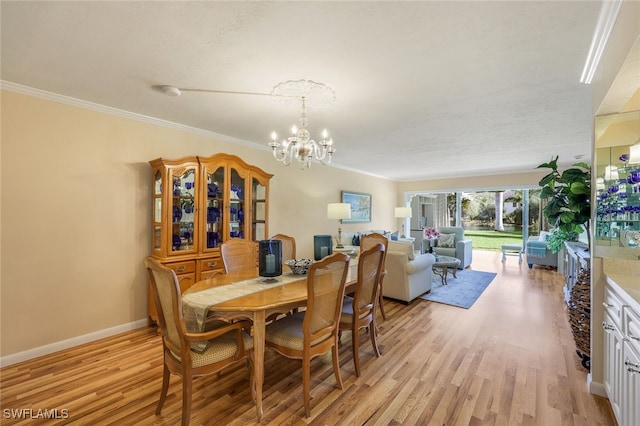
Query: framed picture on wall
360	206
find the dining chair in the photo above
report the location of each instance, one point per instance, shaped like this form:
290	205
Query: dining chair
188	354
359	311
366	242
238	255
308	334
288	246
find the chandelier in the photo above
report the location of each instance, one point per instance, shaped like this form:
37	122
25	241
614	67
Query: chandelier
300	145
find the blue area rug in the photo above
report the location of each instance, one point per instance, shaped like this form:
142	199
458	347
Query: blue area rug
462	291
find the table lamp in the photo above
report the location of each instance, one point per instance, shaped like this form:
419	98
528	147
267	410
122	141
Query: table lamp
339	211
403	212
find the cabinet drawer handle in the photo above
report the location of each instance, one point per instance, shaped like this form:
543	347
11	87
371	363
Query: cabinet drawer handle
632	370
631	364
607	305
181	268
632	337
607	326
212	264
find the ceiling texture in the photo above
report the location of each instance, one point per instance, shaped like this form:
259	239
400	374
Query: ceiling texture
423	89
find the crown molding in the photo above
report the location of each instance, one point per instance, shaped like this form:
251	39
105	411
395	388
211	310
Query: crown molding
79	103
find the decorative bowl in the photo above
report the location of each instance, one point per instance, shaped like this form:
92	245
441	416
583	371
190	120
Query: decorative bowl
298	266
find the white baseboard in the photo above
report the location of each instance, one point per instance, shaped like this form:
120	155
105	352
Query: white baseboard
69	343
596	388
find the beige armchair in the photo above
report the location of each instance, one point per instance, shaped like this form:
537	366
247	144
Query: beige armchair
408	275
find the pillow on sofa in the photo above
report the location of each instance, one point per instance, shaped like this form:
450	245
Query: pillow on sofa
446	240
402	246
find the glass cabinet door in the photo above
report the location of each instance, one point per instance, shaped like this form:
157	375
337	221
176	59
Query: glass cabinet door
215	208
199	203
236	205
182	210
259	205
157	211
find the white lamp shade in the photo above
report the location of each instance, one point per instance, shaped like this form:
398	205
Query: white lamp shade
403	212
634	153
338	211
611	173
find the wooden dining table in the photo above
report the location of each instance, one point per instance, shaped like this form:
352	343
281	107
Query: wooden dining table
246	295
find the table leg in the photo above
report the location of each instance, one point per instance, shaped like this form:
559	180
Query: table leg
258	358
441	272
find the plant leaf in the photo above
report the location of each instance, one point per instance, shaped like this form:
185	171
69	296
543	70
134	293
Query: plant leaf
579	188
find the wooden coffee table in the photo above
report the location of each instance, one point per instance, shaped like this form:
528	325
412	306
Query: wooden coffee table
442	265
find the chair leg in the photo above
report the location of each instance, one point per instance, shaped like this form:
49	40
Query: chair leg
374	338
355	345
381	301
165	388
336	365
186	399
306	384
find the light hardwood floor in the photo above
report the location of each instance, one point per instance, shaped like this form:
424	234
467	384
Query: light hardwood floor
509	360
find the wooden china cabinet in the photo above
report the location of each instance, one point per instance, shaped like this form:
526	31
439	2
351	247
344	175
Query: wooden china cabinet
199	203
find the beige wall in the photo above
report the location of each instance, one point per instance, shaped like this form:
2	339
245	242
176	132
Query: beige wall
76	210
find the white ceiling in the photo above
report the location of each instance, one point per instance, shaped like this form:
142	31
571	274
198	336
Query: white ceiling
423	89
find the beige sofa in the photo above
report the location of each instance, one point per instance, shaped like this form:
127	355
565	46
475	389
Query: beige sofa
409	275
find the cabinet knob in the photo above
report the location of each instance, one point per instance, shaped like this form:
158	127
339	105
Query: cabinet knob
607	305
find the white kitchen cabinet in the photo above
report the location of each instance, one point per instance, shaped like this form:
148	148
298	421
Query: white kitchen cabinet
622	354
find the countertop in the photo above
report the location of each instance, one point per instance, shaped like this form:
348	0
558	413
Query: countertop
628	283
625	273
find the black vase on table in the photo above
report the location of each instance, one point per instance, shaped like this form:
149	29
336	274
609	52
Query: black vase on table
270	258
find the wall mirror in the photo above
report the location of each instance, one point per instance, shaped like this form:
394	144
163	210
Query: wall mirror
617	185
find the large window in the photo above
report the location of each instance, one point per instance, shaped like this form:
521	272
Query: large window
497	210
